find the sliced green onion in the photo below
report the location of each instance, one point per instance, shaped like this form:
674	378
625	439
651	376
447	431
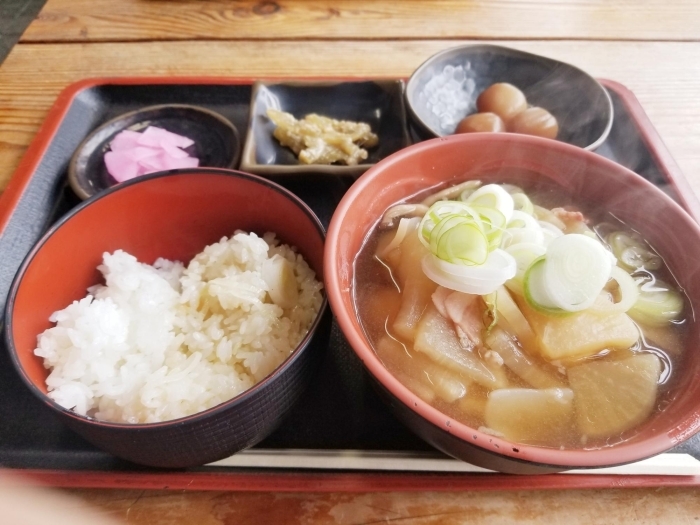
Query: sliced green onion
629	293
493	222
536	293
439	211
576	270
450	221
658	304
499	266
633	253
549	232
493	196
524	254
569	277
523	203
480	280
522	220
405	226
522	228
463	243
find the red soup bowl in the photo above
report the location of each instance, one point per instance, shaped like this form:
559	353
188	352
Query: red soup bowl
172	215
589	180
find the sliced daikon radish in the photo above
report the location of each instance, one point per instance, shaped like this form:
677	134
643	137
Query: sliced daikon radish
437	339
530	416
614	396
521	364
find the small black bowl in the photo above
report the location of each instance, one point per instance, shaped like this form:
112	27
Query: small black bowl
216	142
581	105
378	103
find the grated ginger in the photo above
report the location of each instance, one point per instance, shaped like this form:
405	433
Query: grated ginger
316	139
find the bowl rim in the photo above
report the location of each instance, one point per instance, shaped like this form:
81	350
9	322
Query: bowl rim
567	459
410	86
80	190
198	416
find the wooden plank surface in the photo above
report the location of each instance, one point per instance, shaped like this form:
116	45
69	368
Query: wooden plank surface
650	46
622	507
665	76
128	20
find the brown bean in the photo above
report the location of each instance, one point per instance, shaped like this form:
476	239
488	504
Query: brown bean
535	121
503	99
477	122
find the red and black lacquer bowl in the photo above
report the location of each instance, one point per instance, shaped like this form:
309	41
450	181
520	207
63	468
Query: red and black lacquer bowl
589	180
172	215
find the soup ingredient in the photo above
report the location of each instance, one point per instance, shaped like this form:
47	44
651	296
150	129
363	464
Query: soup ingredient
162	342
437	339
627	290
463	239
633	253
416	288
614	396
316	139
581	334
503	99
569	277
528	415
426	378
657	304
535	121
481	122
475	279
133	154
520	363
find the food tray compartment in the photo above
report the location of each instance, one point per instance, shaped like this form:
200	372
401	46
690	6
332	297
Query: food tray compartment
340	412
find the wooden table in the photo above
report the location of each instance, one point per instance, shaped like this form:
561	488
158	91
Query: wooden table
652	47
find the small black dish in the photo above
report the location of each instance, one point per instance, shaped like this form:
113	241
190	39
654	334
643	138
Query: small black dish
581	105
378	103
216	142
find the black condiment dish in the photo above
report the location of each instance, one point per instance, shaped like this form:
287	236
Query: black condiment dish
216	142
378	103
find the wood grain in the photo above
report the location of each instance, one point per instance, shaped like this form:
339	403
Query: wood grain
649	46
107	20
622	507
665	76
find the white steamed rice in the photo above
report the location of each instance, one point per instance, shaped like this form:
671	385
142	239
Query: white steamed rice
161	342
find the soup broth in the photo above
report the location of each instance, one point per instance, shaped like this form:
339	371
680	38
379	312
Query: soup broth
506	361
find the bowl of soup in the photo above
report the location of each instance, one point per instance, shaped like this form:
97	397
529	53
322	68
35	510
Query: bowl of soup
521	304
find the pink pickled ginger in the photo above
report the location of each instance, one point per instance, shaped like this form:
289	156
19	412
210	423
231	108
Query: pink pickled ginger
133	154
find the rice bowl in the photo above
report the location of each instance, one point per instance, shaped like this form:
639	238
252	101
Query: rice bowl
171	215
164	341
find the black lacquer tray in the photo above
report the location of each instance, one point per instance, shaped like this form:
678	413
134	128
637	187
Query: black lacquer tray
340	418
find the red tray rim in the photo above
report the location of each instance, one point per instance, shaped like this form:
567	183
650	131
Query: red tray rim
314	481
277	481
